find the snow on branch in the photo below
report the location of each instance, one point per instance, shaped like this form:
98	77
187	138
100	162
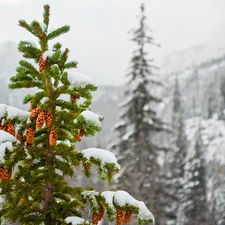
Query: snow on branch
13	113
91	117
116	200
123	198
104	155
103	159
6	141
4	137
74	220
90	122
80	80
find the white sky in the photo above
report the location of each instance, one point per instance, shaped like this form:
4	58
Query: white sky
99	40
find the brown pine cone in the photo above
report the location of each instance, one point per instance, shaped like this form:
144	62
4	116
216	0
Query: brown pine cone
101	212
19	136
120	216
4	174
48	119
81	134
30	135
95	219
77	137
11	129
42	64
4	127
128	216
40	120
53	137
34	113
21	200
74	97
86	167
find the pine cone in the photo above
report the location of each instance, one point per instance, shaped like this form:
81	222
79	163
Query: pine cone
40	120
48	119
77	137
21	200
34	113
53	137
4	127
74	97
101	212
120	216
19	136
42	64
4	174
128	216
95	219
66	52
81	134
30	135
86	167
11	129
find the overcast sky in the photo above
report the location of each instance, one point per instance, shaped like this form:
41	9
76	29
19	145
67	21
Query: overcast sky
99	40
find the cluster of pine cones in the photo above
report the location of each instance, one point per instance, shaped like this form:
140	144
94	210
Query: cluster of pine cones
123	216
120	216
98	216
10	128
42	116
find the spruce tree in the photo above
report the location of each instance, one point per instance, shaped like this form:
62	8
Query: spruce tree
196	207
37	146
136	146
179	155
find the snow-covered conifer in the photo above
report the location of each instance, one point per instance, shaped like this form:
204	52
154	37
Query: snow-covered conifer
37	147
196	209
139	124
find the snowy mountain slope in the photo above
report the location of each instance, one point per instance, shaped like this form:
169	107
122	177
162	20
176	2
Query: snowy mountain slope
200	86
211	45
213	137
190	57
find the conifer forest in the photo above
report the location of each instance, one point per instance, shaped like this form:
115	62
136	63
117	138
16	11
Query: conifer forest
149	151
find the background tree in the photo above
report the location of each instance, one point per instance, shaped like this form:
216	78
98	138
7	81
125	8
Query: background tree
178	157
38	146
196	208
138	126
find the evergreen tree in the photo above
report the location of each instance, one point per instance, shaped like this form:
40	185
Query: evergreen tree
138	125
179	156
196	208
38	146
